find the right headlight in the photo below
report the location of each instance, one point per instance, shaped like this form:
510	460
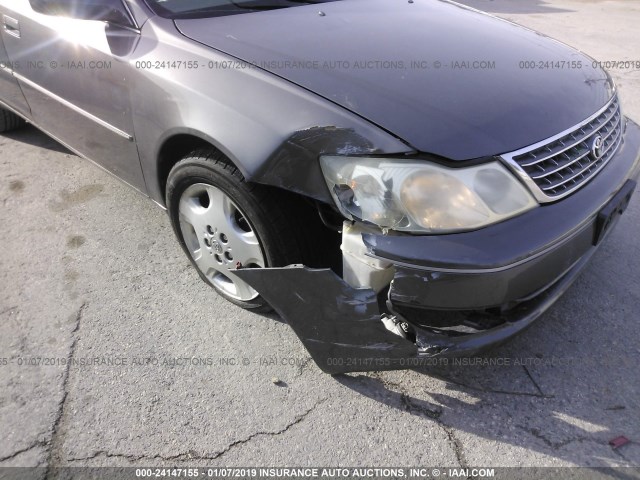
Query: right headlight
416	196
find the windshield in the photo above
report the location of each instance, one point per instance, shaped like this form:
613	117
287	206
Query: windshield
213	8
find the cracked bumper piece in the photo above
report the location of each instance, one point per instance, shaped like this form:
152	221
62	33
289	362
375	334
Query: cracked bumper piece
341	327
459	294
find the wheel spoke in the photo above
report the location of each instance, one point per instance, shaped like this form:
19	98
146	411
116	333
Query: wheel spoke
243	290
246	249
220	210
205	263
193	214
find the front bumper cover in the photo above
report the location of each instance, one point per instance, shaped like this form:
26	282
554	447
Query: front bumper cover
512	272
341	326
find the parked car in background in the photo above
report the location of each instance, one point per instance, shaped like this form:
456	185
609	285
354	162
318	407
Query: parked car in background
398	180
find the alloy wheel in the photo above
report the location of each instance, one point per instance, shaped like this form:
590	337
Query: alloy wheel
219	238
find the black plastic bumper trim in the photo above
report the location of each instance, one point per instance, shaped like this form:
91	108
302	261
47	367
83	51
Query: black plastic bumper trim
341	327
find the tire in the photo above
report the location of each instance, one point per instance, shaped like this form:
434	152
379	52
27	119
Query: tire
215	239
10	121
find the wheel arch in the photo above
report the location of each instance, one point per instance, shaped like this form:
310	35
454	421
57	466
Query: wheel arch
178	143
303	210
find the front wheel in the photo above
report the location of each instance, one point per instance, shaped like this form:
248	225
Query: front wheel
224	223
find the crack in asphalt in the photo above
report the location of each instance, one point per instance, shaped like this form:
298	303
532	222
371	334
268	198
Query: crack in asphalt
36	444
558	445
303	366
456	444
535	384
435	415
540	394
410	406
192	455
55	443
620	454
8	310
555	445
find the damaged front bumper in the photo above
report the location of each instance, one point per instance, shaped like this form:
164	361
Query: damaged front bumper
459	294
341	326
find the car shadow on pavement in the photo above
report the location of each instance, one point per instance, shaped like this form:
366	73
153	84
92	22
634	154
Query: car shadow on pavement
535	422
30	135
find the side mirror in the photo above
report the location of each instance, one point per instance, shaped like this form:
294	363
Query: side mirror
110	11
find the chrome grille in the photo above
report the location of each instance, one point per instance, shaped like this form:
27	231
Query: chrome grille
559	166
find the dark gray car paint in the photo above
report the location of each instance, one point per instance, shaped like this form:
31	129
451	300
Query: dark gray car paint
455	113
248	114
282	169
261	122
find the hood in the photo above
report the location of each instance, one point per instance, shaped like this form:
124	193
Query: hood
446	79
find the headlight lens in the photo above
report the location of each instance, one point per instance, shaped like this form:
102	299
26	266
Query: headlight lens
416	196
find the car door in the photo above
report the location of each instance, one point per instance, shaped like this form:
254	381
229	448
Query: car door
75	76
10	92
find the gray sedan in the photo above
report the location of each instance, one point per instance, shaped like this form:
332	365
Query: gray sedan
398	180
